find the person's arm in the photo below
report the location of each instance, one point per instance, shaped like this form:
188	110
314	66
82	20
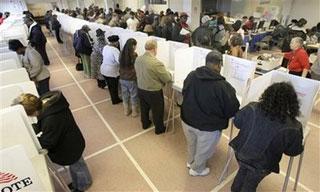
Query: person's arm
116	55
35	64
229	99
293	142
242	116
304	61
51	133
287	55
162	73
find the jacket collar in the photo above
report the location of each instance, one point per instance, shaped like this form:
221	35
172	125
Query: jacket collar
31	26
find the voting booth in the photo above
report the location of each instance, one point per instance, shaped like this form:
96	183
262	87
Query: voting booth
13	76
306	90
17	129
10	92
239	73
129	34
141	41
11	56
166	52
9	64
17	171
187	60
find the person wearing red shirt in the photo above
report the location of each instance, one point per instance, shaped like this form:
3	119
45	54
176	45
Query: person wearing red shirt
1	18
298	58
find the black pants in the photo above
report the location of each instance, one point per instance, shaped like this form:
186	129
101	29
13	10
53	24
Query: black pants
299	74
43	86
152	100
57	31
248	179
113	84
41	48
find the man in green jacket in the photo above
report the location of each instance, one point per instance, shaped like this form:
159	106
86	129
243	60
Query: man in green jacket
152	77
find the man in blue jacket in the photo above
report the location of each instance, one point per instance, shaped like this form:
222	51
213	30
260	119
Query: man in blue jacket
208	103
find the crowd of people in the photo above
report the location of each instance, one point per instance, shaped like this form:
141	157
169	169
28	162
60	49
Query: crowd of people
209	101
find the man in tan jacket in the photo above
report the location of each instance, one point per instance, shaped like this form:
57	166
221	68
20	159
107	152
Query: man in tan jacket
152	77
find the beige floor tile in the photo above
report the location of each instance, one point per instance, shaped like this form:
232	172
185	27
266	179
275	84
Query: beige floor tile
74	96
96	134
113	171
79	75
123	126
60	78
163	158
93	91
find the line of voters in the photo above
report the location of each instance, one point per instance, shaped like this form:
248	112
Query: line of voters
268	128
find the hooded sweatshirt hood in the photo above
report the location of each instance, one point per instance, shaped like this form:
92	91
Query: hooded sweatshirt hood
53	102
204	73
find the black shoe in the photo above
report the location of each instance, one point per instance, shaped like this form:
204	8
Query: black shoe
70	186
148	125
160	132
61	42
117	102
76	190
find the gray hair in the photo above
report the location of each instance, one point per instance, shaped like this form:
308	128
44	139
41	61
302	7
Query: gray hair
151	44
298	40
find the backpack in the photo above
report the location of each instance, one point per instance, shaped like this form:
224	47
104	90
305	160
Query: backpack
77	41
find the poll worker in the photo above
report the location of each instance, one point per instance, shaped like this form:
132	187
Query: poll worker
298	58
56	27
110	67
61	135
268	128
152	76
36	38
33	63
181	31
208	103
128	78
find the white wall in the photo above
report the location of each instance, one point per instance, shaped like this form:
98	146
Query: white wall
308	9
13	6
39	9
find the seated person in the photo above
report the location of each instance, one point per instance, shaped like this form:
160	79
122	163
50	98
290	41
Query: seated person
235	43
61	135
298	58
268	129
249	24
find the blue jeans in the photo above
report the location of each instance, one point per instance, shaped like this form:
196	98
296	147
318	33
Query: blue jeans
129	91
81	178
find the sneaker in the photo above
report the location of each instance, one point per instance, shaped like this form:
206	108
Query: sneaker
205	172
188	165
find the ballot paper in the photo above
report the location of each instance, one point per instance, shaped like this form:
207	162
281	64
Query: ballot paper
184	32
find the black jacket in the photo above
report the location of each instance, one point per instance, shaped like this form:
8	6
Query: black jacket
82	42
262	141
37	37
208	100
61	135
176	33
56	24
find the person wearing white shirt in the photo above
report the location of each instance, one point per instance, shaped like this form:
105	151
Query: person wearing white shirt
132	22
110	67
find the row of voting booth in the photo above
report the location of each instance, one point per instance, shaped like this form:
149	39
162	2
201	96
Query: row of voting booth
180	60
24	164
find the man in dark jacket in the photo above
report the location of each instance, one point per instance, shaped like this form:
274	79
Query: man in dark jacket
61	135
36	38
56	27
208	103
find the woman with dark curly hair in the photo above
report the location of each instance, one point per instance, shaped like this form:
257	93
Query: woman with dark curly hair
268	129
